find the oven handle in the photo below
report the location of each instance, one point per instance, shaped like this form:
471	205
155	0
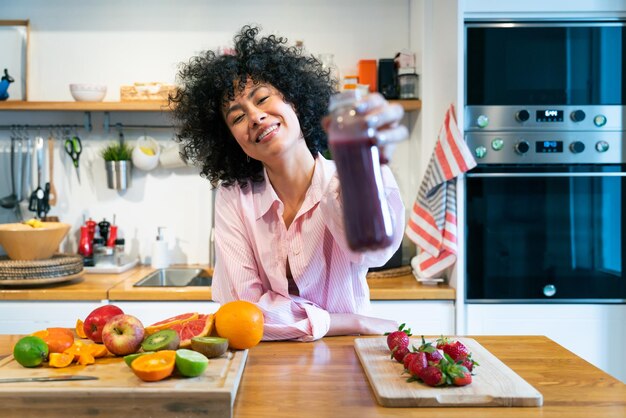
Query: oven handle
577	174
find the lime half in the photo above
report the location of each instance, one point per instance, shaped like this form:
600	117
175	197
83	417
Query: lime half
30	351
190	363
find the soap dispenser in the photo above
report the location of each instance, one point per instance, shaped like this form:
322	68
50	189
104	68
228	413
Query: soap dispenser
160	256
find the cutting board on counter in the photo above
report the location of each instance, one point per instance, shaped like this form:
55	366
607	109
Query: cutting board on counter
119	393
494	383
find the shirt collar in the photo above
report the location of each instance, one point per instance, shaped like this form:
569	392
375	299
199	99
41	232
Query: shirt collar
265	196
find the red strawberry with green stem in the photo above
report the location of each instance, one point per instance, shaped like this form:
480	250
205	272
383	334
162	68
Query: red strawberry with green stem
398	339
454	373
453	348
432	355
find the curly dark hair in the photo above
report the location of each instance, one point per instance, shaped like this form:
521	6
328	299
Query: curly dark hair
209	81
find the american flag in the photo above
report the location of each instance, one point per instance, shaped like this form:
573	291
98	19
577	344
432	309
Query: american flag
432	222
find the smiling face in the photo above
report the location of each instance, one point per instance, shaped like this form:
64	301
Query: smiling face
263	124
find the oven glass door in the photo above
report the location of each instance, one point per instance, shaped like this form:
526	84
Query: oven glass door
545	235
546	64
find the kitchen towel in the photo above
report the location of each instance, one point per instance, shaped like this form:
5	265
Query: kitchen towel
432	222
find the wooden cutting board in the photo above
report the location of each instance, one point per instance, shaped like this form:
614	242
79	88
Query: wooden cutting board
494	384
119	393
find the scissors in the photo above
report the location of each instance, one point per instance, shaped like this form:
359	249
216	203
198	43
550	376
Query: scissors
73	148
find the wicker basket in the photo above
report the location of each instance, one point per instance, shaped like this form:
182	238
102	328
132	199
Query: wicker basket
58	266
146	92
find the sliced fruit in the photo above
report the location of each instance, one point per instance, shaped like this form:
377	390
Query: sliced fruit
196	328
30	351
169	322
60	359
209	346
98	350
129	358
80	331
166	339
82	352
241	322
58	339
190	363
154	367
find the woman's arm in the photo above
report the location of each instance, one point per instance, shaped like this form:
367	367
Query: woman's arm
349	324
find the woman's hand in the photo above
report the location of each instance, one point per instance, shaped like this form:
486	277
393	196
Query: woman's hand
385	118
353	324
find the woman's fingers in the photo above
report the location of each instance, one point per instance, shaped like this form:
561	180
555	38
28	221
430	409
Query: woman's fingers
391	135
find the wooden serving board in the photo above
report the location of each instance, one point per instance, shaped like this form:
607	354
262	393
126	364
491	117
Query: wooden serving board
493	383
119	393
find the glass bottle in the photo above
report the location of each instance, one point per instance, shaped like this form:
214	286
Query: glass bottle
366	213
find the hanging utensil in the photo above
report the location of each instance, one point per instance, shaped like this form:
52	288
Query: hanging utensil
73	148
53	191
9	202
18	184
36	197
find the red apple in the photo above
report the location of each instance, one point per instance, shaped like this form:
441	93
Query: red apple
94	323
123	334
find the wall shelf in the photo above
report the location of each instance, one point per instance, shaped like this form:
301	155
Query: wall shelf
138	106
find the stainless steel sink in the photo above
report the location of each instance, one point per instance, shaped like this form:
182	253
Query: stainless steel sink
176	277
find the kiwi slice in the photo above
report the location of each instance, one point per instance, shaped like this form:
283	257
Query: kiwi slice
165	339
209	346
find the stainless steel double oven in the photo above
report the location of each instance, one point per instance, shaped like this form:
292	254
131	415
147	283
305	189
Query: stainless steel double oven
545	118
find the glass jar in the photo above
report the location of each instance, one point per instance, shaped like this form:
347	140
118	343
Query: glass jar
408	83
366	213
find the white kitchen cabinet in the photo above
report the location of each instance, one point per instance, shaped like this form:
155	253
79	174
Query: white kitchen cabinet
25	317
424	317
597	333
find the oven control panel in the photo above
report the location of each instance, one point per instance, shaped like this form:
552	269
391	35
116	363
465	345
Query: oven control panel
546	147
530	118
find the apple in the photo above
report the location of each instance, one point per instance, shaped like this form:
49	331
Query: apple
94	323
123	334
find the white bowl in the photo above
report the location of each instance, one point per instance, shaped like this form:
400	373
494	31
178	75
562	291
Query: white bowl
141	159
88	92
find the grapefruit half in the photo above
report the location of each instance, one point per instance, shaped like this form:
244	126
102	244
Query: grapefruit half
199	327
170	322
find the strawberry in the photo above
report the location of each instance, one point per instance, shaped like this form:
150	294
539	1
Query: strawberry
456	350
442	341
399	338
433	376
408	359
399	353
454	373
432	355
417	364
465	380
469	363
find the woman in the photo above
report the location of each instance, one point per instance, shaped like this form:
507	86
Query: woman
252	121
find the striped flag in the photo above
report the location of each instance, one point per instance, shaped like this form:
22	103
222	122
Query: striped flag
432	223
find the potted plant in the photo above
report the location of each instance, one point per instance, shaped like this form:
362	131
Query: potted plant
117	158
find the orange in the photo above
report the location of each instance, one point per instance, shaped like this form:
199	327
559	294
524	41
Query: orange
60	359
241	323
154	367
82	352
80	331
98	350
58	339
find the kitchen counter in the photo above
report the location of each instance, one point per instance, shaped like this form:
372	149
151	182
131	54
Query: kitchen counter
325	379
116	287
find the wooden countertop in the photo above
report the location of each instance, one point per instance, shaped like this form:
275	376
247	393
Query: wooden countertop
325	379
120	287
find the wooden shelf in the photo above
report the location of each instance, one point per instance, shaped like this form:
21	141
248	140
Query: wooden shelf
409	105
139	106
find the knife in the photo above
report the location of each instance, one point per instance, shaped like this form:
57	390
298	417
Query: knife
47	378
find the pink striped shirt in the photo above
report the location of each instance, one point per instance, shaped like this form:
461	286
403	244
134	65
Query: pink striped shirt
252	247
